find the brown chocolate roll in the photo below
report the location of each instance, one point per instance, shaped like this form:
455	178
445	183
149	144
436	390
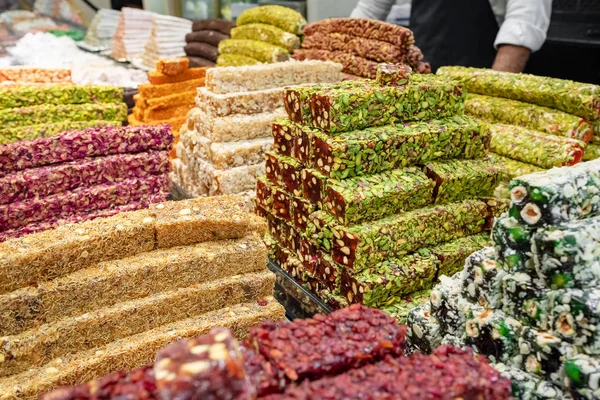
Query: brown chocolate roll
213	25
210	37
196	62
203	50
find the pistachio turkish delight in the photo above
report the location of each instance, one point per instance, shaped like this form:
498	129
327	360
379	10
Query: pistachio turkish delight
303	151
261	51
50	113
267	33
423	330
25	96
581	376
457	180
273	168
302	209
592	152
353	64
280	230
329	273
482	278
319	228
492	333
528	146
362	245
49	180
314	185
375	150
370	197
452	255
366	28
575	98
220	105
510	168
282	204
264	193
282	17
393	74
284	132
537	118
30	132
284	171
556	196
235	60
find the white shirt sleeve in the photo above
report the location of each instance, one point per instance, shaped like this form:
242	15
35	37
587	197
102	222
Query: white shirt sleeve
525	23
374	9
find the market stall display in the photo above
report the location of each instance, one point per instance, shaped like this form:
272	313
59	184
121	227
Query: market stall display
265	34
530	303
202	43
360	45
222	147
365	202
148	278
132	33
102	29
355	353
166	40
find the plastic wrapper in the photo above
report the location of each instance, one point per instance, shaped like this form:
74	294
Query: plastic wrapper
204	50
74	145
481	278
157	78
592	152
537	118
393	75
42	114
282	17
219	25
354	153
556	196
31	132
172	66
212	37
510	168
236	60
261	51
353	64
423	330
359	246
26	96
366	28
371	197
581	376
267	33
532	147
221	105
581	99
492	333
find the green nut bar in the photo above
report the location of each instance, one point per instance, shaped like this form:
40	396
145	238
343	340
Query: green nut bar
26	96
35	115
360	246
532	147
556	196
333	299
566	256
425	97
452	255
481	278
574	317
401	309
303	152
282	17
370	197
309	253
393	74
273	246
457	180
267	33
510	168
537	118
319	229
512	241
10	135
492	333
581	376
592	152
375	150
261	51
423	331
575	98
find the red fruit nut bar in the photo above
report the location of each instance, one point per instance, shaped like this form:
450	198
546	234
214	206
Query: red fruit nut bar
302	209
327	345
209	367
264	194
314	186
284	132
284	171
282	204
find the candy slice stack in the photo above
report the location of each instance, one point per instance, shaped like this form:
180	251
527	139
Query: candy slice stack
530	303
360	44
166	40
102	28
30	112
266	34
355	353
132	33
201	44
223	145
368	196
89	299
538	122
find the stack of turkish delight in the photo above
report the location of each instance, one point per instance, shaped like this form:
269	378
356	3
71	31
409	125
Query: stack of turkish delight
168	96
355	353
34	111
80	175
376	188
102	28
89	299
202	43
222	148
266	34
166	40
531	302
360	45
537	122
132	33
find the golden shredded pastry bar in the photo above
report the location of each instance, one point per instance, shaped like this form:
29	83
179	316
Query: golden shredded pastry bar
172	66
150	91
168	101
221	105
72	335
135	351
110	282
146	115
156	78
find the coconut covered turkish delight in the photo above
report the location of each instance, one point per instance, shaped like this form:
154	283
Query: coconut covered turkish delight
523	296
449	307
482	277
491	332
423	330
512	241
581	376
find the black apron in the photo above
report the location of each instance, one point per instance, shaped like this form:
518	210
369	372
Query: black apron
455	32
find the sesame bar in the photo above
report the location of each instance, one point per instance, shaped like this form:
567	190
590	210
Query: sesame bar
425	98
226	155
537	118
353	153
221	105
366	28
150	91
580	374
282	17
481	278
219	25
581	99
359	246
457	180
510	168
267	33
49	113
31	132
236	60
157	78
532	147
365	198
172	66
423	330
352	64
492	333
87	172
206	36
592	152
359	46
261	51
393	74
557	195
26	96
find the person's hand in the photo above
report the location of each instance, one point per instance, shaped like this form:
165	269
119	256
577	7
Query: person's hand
511	58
